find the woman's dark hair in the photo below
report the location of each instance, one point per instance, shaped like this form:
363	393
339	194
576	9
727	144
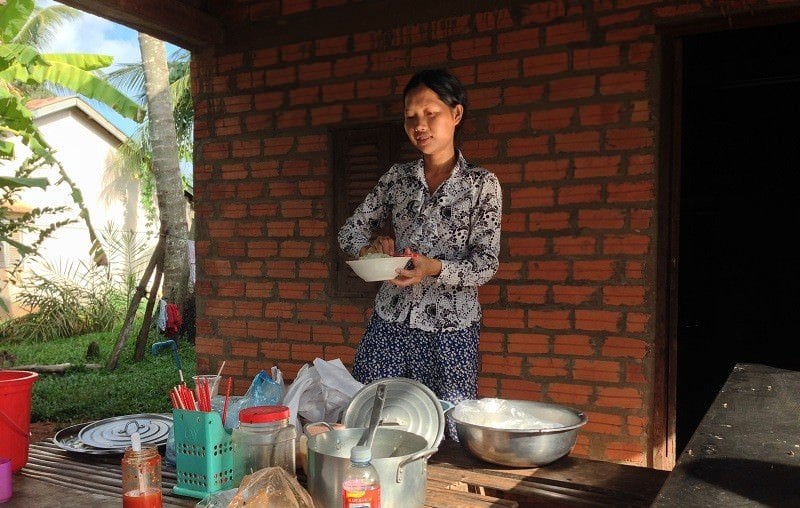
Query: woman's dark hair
447	87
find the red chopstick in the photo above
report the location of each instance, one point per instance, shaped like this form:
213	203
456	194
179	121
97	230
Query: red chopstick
227	398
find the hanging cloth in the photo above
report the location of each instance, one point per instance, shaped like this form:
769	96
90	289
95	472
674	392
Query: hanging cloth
174	320
161	319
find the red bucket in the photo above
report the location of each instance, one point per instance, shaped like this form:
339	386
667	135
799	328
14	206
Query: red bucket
15	415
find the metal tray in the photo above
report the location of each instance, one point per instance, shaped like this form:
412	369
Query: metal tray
67	439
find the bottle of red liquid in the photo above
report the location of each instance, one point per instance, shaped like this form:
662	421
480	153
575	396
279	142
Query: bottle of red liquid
141	476
361	487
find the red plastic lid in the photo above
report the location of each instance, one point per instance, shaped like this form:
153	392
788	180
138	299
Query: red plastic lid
263	414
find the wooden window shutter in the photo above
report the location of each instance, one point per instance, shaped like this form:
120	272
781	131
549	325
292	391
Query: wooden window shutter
361	155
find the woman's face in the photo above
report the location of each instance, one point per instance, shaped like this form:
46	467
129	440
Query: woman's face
430	123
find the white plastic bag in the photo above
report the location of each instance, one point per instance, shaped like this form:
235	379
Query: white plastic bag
320	392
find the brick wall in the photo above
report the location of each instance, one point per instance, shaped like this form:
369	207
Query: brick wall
563	108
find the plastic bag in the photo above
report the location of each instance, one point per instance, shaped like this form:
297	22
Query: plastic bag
320	392
264	390
271	487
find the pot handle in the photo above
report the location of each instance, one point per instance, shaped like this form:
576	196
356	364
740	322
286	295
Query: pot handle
417	456
311	424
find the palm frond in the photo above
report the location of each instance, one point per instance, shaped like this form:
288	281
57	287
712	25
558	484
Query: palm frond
43	24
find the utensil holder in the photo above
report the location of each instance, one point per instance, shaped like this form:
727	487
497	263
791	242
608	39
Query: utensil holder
203	453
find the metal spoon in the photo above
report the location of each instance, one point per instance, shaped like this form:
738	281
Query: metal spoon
377	408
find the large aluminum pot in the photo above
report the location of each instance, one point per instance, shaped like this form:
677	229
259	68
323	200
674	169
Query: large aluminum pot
529	447
400	458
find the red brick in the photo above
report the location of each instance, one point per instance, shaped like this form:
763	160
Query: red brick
217	267
308	144
429	55
354	65
671	11
573	345
603	423
373	87
508	122
552	119
294	6
312	227
598	166
281	269
595	58
566	33
264	57
623	295
311	311
519	40
569	394
481	148
410	35
496	19
347	314
630	192
574	194
629	139
626	244
295	52
218	308
327	114
636	322
471	48
549	319
255	289
498	70
547	367
292	118
579	87
600	114
574	245
548	270
552	63
640	52
451	27
621	18
622	347
543	12
514	222
630	34
244	348
601	219
518	389
527	343
554	221
232	248
597	320
295	249
634	270
641	219
516	95
526	246
630	453
361	111
388	60
587	141
640	164
508	318
507	173
573	295
248	268
545	170
530	293
496	364
491	342
482	98
489	294
331	46
532	145
281	229
532	197
626	398
596	370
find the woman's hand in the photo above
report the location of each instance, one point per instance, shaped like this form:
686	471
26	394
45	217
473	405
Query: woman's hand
423	267
381	245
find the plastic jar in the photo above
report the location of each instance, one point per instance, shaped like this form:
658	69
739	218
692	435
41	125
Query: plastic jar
141	478
263	438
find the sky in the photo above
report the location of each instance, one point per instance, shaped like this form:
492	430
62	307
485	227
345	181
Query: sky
92	34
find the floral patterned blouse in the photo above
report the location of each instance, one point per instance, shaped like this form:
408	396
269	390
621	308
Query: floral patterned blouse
458	224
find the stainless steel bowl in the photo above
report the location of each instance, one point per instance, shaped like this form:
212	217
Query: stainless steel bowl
526	447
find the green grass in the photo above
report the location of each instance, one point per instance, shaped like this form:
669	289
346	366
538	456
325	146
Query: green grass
82	395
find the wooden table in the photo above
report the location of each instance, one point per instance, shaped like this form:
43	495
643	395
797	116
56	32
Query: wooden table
55	478
746	450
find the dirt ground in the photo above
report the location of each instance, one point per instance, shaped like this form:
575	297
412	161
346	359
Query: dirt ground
44	430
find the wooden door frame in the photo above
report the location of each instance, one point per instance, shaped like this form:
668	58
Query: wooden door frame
670	48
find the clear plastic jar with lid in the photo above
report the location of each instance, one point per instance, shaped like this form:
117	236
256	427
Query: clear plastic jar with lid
263	438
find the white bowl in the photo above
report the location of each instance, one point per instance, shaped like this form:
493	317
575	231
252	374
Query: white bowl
374	269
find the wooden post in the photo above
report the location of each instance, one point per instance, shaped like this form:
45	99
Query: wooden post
158	254
141	340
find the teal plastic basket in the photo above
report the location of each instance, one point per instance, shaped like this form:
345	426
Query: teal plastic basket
203	453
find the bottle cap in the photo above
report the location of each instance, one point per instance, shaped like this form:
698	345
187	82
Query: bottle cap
360	454
263	414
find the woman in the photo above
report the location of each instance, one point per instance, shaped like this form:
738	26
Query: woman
446	216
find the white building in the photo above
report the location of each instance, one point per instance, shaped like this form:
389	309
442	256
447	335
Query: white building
84	143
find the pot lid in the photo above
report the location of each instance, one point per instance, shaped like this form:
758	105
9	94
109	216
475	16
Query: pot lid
410	406
115	433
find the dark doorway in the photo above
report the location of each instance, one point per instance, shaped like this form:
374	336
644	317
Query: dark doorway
738	294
